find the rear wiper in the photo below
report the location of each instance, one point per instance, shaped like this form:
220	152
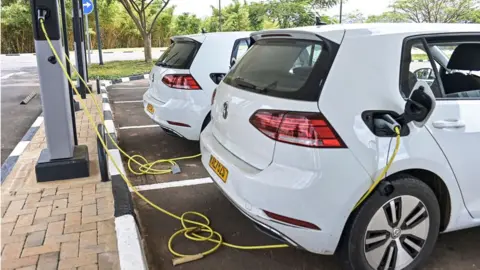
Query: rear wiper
268	87
241	82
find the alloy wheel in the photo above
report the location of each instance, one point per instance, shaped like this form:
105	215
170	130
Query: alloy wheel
396	233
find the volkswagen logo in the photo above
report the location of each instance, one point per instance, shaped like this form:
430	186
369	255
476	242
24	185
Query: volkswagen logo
225	110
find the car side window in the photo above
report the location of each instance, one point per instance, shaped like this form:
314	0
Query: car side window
308	56
454	74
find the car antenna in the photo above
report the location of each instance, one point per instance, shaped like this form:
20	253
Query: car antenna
203	30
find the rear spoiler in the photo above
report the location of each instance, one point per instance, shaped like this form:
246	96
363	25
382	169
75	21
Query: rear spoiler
283	33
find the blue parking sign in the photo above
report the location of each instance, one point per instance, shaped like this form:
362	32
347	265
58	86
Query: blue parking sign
87	6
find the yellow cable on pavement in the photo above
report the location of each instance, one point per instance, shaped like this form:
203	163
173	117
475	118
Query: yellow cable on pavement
191	229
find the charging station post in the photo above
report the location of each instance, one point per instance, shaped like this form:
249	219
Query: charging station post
61	159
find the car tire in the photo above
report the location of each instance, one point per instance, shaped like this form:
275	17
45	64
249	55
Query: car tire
375	236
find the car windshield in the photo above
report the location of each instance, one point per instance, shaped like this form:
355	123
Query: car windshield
278	67
179	55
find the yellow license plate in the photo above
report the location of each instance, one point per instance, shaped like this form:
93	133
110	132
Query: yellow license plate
219	169
150	108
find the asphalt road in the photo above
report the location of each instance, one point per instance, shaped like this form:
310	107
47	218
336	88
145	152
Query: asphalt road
16	118
19	78
454	251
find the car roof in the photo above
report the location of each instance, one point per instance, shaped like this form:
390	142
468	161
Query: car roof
370	29
201	36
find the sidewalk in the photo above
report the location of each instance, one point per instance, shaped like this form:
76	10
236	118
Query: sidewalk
60	224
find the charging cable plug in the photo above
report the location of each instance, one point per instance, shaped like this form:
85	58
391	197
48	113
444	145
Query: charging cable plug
42	14
175	169
387	121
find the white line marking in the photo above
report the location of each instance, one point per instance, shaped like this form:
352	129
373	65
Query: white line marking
38	122
118	160
182	183
13	74
110	126
135	127
18	150
106	107
128	241
127	101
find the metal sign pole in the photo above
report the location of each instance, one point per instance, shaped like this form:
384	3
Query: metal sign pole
99	38
61	159
88	40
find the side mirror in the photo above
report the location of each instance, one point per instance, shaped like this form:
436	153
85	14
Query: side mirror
420	104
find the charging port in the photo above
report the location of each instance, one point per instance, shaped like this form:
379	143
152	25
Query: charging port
377	122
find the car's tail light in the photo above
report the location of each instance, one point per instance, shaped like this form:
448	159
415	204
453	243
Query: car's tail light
213	95
181	81
309	129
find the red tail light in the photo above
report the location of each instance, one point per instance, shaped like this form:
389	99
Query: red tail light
290	220
299	128
181	81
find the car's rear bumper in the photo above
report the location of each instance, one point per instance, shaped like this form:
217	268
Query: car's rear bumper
252	191
180	111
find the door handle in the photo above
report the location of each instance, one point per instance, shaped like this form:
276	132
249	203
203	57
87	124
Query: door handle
449	123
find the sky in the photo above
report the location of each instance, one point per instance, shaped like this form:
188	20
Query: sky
202	7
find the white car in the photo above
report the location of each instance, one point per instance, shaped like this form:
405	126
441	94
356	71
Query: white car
295	147
184	77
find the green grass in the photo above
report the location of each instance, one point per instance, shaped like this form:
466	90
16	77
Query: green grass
423	56
118	69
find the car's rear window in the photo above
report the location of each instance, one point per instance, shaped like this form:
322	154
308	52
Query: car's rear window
179	54
278	67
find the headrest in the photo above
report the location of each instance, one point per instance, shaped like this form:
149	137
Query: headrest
465	57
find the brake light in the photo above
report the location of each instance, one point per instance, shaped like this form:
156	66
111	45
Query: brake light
213	95
181	81
308	129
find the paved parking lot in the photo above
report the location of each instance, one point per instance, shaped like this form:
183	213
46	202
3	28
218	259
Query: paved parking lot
139	135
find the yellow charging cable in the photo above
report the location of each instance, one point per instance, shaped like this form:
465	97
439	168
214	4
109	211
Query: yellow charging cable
191	228
384	171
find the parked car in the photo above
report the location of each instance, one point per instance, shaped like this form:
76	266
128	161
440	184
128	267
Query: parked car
184	77
294	149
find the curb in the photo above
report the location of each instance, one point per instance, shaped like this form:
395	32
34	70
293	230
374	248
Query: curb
130	250
11	160
107	83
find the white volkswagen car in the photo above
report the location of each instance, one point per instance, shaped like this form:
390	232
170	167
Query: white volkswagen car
184	77
296	146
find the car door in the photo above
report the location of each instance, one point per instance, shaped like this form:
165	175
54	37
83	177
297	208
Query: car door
455	125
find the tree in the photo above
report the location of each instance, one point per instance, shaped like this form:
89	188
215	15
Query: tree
435	11
288	13
235	17
187	23
144	14
387	17
256	15
354	17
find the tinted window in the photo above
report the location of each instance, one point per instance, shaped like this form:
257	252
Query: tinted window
179	55
278	68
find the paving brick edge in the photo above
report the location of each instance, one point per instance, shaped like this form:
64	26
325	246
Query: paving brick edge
129	240
12	159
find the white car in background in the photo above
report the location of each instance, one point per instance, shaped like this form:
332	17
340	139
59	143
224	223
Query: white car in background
295	146
184	77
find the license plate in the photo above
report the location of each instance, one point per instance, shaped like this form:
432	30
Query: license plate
219	169
150	108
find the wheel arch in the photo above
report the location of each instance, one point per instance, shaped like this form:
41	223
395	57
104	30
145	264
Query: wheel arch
438	187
